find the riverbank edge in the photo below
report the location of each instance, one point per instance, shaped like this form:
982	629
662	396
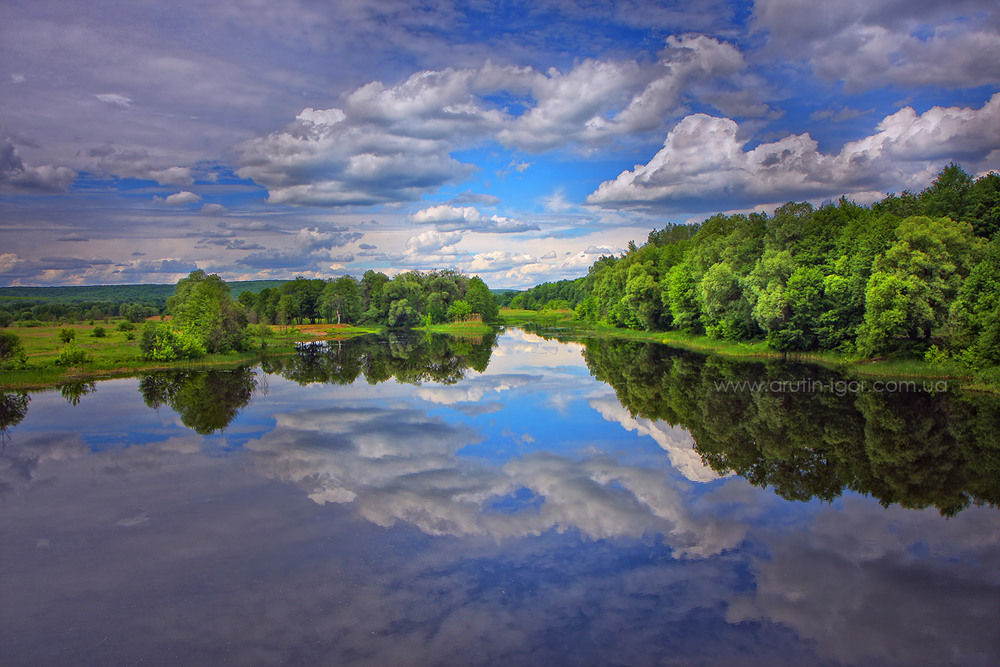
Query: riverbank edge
282	343
953	372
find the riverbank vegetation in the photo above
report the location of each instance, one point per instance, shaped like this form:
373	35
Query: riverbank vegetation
913	276
205	326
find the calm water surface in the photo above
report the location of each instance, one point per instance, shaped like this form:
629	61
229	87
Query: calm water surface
510	501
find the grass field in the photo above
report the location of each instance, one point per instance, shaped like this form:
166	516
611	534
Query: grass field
114	354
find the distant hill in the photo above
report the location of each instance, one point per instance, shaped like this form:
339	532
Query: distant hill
116	293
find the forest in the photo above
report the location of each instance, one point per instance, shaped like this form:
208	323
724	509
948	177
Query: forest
915	273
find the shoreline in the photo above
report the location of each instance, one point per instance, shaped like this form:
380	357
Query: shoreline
282	342
758	351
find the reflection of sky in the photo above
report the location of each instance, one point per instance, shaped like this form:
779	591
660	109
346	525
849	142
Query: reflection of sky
398	524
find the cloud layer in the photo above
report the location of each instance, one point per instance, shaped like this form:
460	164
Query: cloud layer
533	131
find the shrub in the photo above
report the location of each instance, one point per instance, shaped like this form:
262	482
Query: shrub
933	355
71	355
161	342
100	332
67	335
125	325
11	351
459	311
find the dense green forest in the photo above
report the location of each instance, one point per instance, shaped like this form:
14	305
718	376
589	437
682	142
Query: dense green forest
912	273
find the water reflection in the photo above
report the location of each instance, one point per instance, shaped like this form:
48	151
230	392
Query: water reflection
74	392
404	357
13	408
810	433
206	401
516	511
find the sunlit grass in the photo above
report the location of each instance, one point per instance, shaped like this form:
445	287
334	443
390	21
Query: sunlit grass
458	328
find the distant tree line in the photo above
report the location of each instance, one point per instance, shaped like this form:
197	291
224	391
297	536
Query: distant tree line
408	299
916	273
27	313
67	304
557	295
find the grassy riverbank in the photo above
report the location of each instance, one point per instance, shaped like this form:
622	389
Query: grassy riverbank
564	324
116	353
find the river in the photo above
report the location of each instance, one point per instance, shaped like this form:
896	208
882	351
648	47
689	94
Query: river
512	500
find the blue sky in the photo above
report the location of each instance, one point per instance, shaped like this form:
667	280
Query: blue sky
517	141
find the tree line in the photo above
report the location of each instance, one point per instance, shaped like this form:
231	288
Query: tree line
912	273
205	318
34	313
409	299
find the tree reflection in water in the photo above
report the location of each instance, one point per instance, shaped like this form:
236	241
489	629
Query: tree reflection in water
13	408
207	401
811	433
803	430
74	391
408	358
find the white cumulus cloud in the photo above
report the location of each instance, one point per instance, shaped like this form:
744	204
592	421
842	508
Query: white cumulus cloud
469	218
180	198
705	156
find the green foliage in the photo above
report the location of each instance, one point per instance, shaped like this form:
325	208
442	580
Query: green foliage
99	332
907	272
341	300
915	281
12	354
125	325
934	355
67	335
482	301
975	315
401	314
948	195
459	311
983	206
203	310
71	355
161	342
536	298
